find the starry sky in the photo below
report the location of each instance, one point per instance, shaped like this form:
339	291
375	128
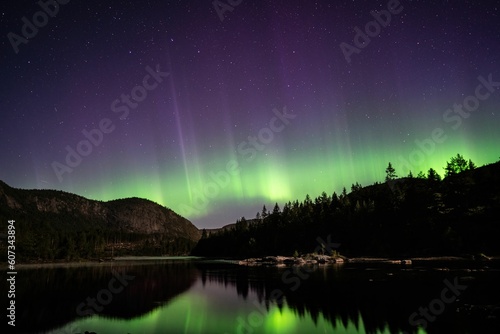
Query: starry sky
215	110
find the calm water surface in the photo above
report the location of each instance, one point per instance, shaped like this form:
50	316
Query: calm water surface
188	295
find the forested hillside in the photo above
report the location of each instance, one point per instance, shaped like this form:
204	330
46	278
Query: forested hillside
51	225
419	215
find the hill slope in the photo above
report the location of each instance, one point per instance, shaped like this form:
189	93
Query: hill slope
412	216
54	224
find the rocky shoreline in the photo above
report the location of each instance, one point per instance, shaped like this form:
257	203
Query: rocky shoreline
310	259
289	260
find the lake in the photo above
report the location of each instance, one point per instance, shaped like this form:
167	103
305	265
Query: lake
193	295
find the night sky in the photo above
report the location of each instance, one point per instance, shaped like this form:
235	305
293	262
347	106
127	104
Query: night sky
214	118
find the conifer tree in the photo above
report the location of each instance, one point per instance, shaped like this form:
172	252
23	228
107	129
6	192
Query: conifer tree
390	173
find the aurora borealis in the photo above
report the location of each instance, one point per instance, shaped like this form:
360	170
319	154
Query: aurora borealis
209	137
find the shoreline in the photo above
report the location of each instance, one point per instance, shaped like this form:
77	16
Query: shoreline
105	261
308	259
311	259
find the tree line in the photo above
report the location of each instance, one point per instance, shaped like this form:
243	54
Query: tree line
425	215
